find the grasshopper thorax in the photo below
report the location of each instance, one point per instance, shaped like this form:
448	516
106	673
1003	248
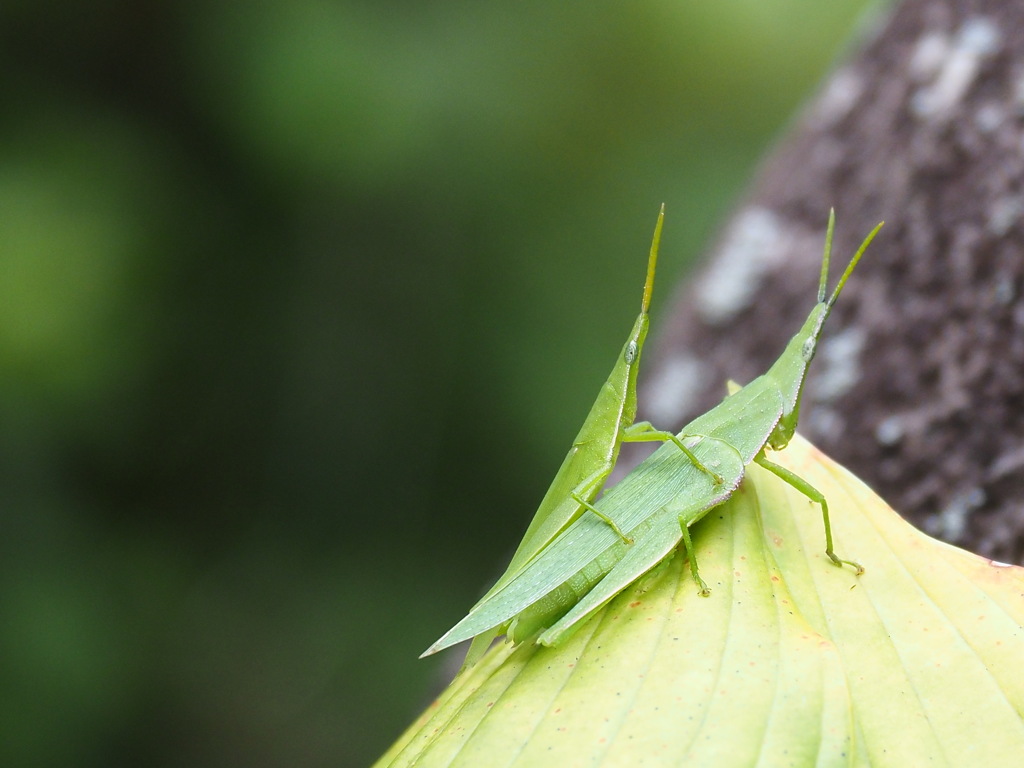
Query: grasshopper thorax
790	371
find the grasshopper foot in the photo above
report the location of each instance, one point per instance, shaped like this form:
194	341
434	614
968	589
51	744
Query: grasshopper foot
836	561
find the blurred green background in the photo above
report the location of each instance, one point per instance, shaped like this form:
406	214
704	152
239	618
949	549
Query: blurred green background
301	303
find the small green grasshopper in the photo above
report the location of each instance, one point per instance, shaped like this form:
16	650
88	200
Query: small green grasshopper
591	561
594	451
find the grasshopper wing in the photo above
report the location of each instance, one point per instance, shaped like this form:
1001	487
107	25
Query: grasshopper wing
655	545
554	581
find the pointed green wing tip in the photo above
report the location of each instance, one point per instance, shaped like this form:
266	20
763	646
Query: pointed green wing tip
460	634
444	641
442	644
916	660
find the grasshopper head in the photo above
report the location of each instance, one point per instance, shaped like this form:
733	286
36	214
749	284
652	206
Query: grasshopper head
624	375
790	370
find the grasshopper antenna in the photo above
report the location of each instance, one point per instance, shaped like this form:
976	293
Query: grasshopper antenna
853	261
652	262
823	281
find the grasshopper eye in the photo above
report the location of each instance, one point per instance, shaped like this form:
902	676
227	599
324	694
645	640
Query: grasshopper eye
631	351
807	351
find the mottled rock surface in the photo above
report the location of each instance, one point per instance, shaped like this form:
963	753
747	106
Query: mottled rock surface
918	387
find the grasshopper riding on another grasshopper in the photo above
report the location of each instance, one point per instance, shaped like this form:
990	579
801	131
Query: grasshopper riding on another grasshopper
562	576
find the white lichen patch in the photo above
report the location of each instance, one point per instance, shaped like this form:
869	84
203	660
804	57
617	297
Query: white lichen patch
1008	464
989	117
823	421
890	430
841	95
1004	289
1005	212
675	389
929	53
978	39
756	241
838	369
951	522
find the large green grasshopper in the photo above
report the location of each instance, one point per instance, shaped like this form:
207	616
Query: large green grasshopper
591	561
594	451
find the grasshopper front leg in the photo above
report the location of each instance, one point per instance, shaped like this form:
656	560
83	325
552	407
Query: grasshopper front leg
644	432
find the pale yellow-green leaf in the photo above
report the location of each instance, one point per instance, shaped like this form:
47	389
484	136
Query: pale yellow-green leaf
790	662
